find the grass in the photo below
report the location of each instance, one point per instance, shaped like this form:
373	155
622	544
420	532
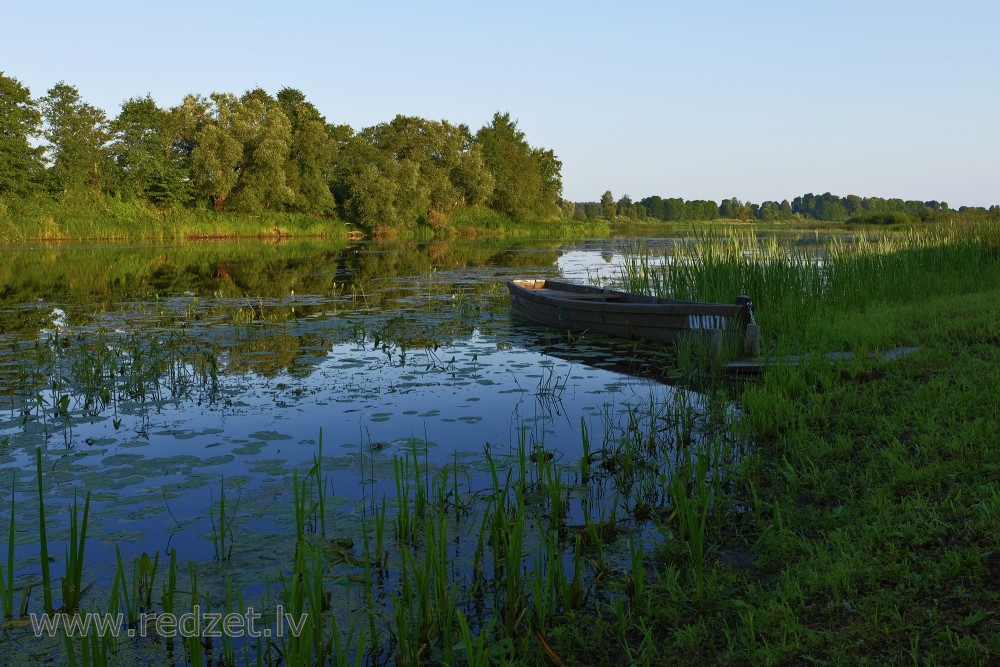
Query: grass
867	531
880	543
87	217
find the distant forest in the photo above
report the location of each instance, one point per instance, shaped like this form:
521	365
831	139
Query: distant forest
263	153
826	207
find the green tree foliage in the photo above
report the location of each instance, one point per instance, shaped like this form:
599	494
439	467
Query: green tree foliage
608	208
450	166
344	163
527	181
653	206
626	208
831	209
258	123
837	209
257	152
78	136
567	209
770	211
208	145
735	209
146	164
381	192
826	207
20	162
550	173
312	153
674	209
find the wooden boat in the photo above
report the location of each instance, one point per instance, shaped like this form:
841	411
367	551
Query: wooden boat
583	308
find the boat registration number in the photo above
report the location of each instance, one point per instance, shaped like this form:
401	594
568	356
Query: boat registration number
707	321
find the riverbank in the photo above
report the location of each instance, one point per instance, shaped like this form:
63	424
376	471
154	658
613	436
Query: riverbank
109	220
104	219
863	527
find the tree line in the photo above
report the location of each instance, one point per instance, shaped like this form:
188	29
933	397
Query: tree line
257	152
826	207
262	152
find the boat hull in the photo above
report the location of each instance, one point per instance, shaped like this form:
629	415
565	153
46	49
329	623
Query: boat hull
623	314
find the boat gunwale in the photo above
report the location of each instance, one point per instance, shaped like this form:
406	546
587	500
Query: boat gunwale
660	304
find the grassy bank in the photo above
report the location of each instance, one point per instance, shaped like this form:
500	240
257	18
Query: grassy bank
78	217
863	526
105	219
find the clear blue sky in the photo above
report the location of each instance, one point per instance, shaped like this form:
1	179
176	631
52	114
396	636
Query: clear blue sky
701	100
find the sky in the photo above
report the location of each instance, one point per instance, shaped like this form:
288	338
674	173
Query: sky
702	99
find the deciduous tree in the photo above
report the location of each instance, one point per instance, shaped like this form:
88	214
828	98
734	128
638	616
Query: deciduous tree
147	166
205	138
527	181
20	162
78	135
312	154
608	208
265	134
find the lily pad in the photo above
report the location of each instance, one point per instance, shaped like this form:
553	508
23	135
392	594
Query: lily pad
249	449
270	435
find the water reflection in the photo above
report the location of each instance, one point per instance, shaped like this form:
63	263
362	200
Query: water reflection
150	374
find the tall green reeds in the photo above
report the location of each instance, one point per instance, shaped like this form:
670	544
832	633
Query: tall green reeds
792	285
72	581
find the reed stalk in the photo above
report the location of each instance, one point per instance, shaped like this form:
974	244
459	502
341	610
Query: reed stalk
7	572
317	472
193	643
43	542
222	535
228	653
169	593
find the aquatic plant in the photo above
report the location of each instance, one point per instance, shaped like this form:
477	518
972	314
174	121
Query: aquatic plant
72	581
7	572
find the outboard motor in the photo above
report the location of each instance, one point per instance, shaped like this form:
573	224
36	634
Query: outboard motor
753	331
